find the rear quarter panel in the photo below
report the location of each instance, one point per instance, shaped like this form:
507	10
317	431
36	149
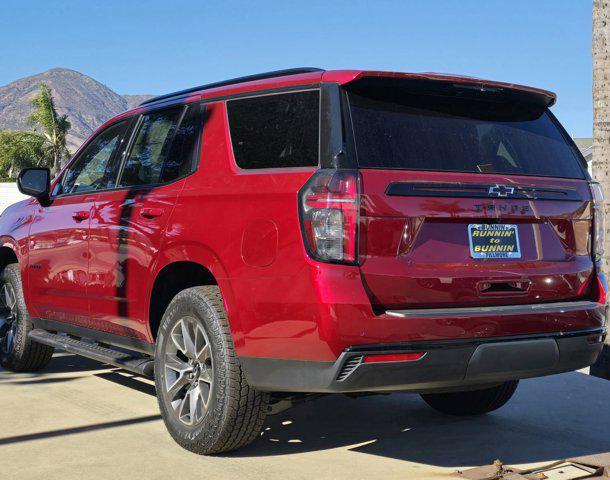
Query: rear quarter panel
243	226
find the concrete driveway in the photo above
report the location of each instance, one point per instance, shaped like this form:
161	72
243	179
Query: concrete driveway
79	420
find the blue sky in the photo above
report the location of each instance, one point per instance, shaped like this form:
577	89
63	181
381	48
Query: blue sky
157	46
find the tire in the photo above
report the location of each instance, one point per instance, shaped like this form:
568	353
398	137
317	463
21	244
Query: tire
18	352
234	413
475	402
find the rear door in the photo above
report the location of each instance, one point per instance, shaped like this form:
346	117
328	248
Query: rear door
128	222
468	199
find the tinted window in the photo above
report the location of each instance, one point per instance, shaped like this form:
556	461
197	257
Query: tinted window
183	152
448	133
96	166
151	148
275	131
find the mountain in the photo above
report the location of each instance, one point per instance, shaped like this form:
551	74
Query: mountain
135	100
87	102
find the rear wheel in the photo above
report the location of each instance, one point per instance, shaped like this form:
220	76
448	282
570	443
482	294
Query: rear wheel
18	352
205	401
475	402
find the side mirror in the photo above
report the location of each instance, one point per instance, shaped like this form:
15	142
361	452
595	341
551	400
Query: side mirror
35	182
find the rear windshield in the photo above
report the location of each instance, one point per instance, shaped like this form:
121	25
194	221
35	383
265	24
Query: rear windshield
401	130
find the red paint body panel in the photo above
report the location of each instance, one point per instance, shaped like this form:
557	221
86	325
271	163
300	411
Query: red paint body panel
243	226
415	250
124	244
59	253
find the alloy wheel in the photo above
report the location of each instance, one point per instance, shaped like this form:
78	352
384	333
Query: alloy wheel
8	317
188	370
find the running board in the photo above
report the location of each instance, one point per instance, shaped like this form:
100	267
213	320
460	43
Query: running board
140	365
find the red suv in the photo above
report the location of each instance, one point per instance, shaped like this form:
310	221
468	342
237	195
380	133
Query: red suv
255	241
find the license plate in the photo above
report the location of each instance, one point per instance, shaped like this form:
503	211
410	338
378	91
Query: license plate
493	241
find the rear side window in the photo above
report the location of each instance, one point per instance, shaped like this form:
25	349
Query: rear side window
448	133
275	131
163	148
183	152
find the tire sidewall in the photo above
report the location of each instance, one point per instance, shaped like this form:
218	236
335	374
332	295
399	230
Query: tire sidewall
23	325
188	303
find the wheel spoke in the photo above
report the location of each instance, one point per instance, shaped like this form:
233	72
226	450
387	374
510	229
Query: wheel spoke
8	341
4	296
174	389
204	354
204	390
12	298
195	402
206	374
176	374
173	362
8	296
189	340
184	409
178	338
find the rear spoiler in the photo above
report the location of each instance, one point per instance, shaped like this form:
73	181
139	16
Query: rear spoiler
534	95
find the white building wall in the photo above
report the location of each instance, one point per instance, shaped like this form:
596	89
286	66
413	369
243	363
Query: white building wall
9	195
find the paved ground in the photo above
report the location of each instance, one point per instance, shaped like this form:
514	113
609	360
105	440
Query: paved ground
77	420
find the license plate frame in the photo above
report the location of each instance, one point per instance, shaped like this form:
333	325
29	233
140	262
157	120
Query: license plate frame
494	241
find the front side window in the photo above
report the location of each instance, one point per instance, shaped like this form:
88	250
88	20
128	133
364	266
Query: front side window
96	166
275	131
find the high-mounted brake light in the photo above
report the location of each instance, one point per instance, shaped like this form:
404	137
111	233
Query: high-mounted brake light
598	221
329	210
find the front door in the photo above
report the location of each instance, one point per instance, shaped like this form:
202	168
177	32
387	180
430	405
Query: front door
59	235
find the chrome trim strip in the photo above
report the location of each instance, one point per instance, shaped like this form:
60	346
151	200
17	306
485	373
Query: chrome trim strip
558	307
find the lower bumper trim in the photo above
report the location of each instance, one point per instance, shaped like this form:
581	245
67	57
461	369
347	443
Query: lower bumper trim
446	367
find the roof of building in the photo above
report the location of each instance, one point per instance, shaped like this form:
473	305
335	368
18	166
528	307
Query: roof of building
585	145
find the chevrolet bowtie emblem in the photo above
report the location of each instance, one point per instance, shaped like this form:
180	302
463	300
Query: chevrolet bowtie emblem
500	190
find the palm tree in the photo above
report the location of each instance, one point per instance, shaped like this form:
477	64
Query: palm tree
600	165
54	127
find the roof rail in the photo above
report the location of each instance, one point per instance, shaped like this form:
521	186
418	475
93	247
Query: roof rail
233	81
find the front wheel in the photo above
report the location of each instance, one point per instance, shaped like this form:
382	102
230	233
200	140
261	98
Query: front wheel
205	401
475	402
18	352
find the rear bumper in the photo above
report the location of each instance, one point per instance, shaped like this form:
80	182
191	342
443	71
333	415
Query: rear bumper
446	365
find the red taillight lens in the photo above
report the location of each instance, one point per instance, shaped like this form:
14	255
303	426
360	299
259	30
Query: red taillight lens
394	357
601	291
329	207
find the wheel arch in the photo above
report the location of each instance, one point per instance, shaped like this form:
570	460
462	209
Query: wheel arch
8	255
180	267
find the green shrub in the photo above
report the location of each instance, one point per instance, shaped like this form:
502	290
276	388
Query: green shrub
19	150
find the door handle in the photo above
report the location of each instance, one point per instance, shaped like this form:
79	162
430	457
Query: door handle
81	215
151	212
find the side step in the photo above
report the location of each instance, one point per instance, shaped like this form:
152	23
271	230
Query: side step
140	365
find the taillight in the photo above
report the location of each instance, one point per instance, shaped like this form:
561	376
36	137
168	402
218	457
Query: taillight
598	221
328	206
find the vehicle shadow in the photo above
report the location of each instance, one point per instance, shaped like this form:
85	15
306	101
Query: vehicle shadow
549	418
60	363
